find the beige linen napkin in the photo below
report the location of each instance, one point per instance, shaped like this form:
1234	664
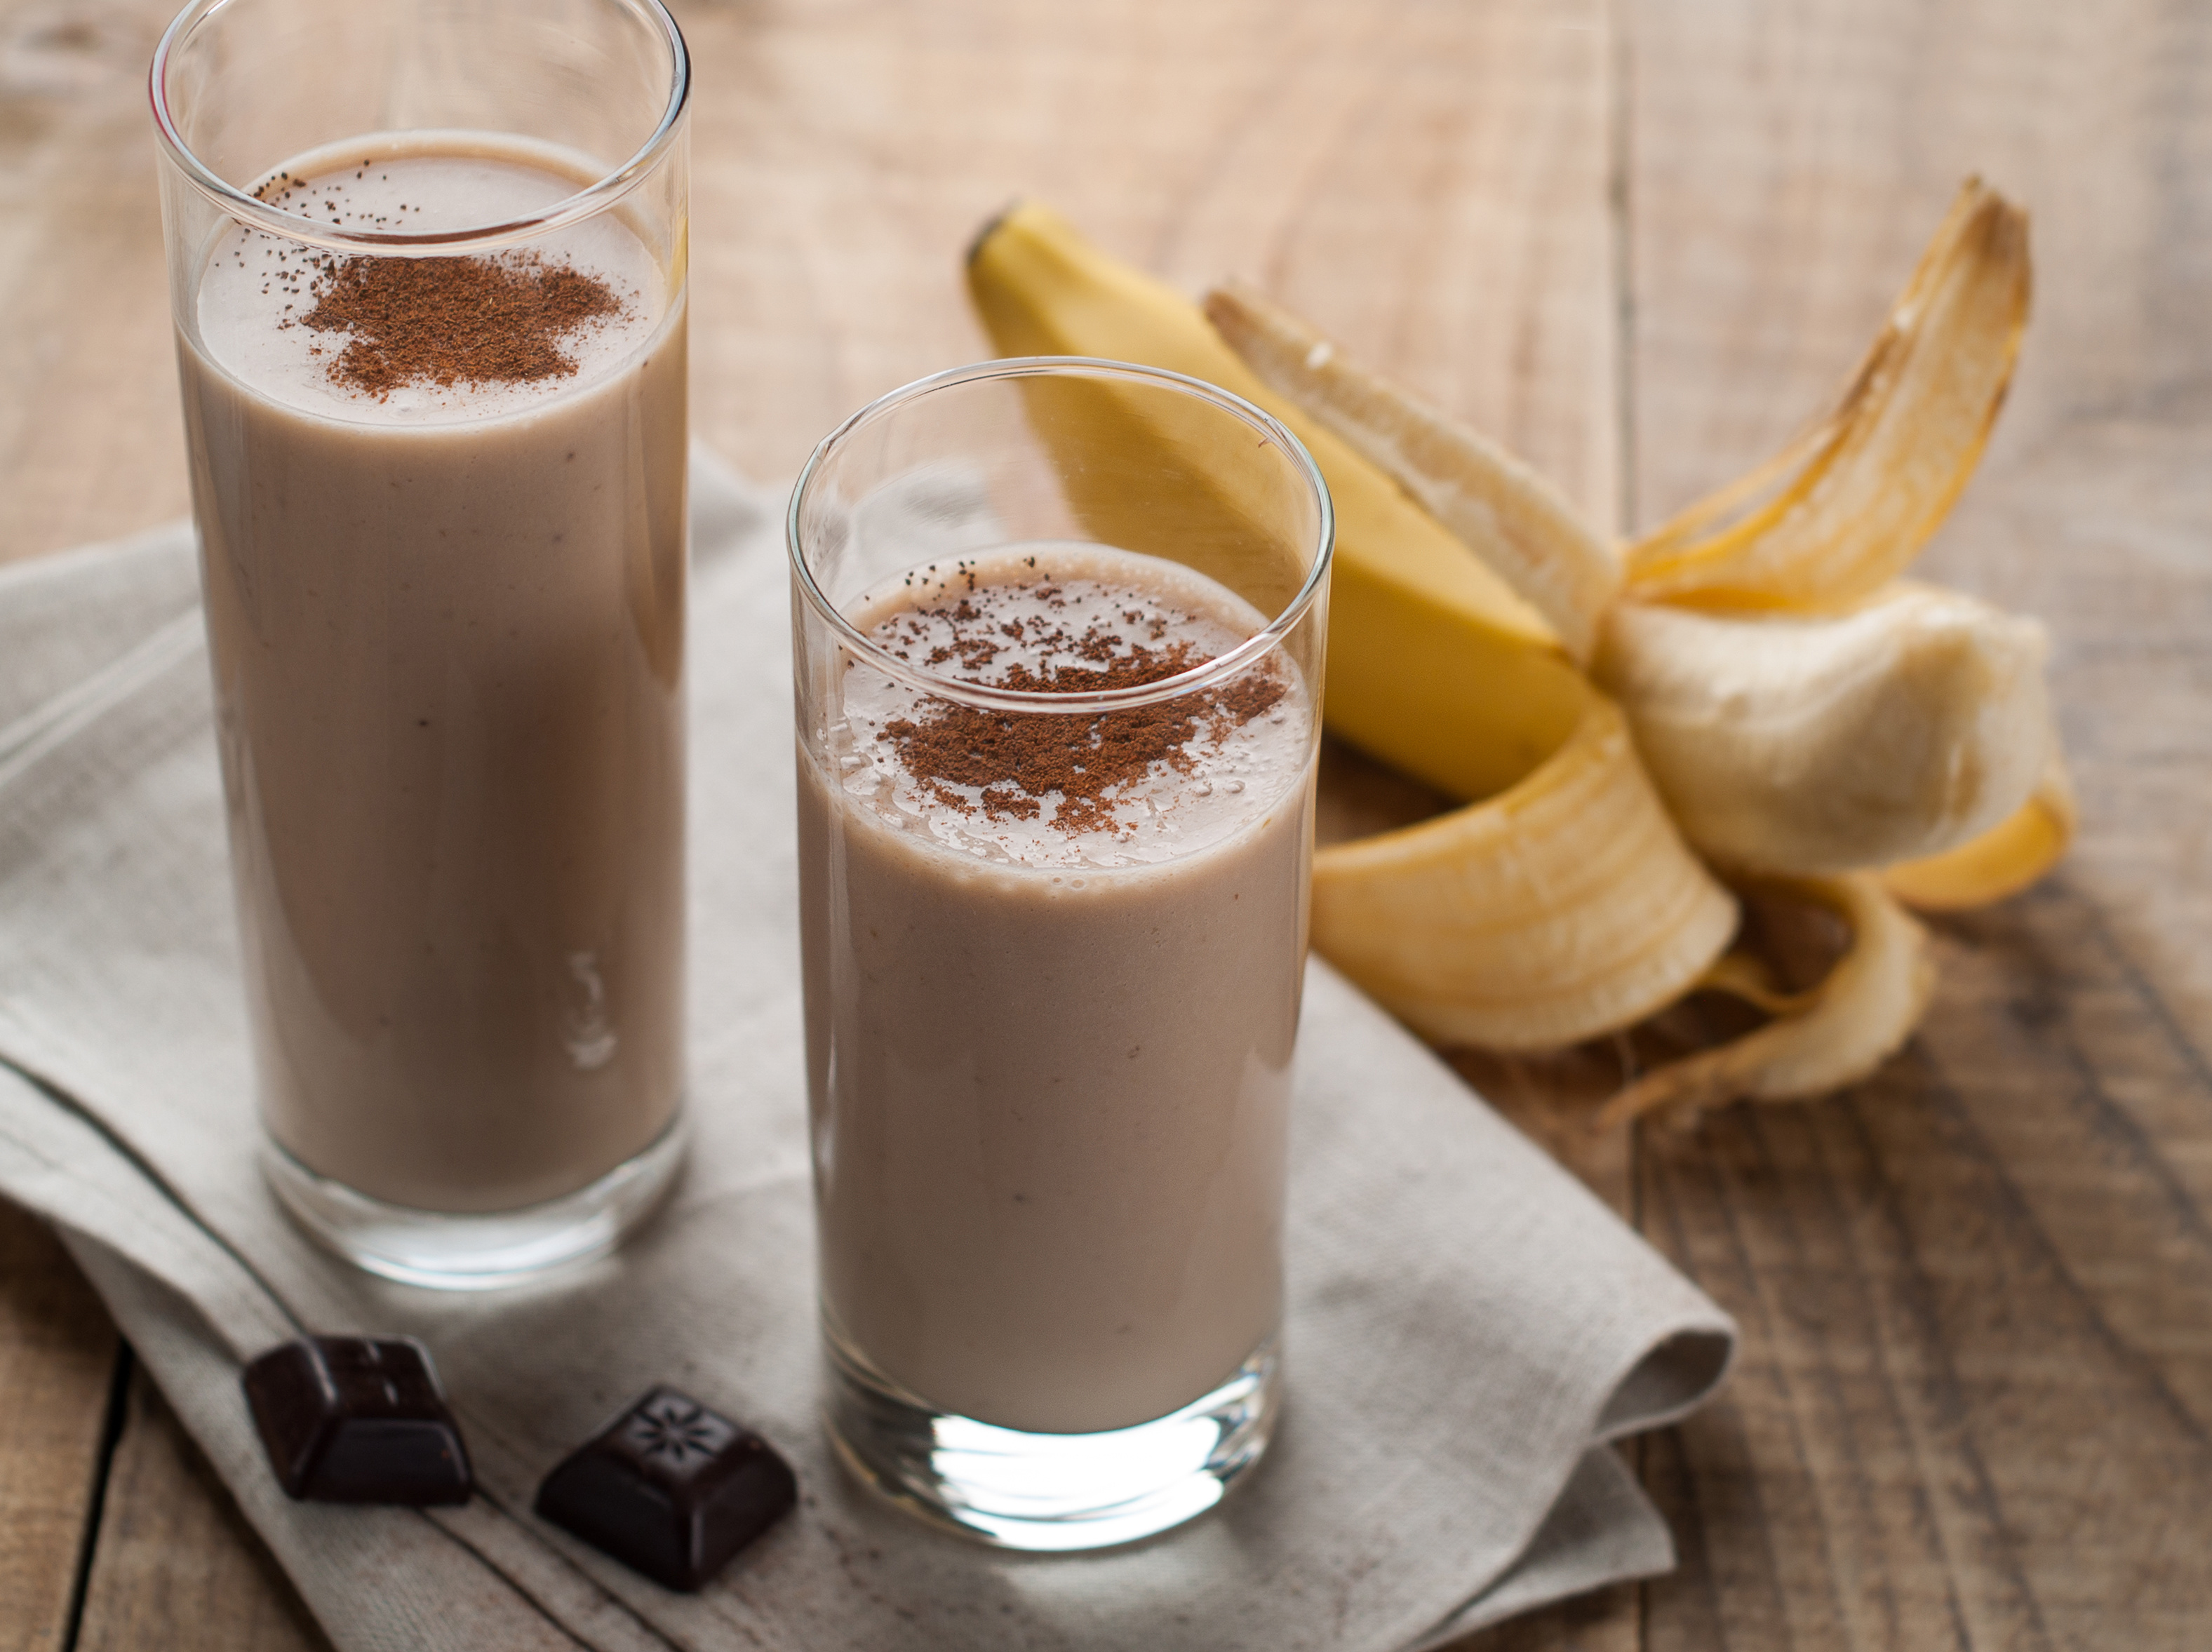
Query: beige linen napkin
1468	1328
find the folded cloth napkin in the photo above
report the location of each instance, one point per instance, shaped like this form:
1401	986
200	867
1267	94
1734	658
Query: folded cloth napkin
1467	1329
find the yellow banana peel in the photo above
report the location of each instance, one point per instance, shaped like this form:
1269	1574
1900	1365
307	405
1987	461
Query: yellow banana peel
1498	507
1842	510
1749	977
1859	1016
1435	665
1565	908
2003	860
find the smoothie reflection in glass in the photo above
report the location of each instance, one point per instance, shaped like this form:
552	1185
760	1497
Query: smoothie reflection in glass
1059	627
430	334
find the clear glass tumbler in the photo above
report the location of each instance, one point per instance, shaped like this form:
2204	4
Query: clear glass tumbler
427	263
1059	627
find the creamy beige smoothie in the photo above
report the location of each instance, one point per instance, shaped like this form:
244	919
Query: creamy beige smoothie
442	512
1053	970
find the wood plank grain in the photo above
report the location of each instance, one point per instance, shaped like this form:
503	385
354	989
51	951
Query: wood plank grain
1427	181
57	1350
176	1565
1971	1409
1605	1621
91	440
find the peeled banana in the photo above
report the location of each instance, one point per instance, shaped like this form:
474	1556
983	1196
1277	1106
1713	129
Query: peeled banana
1820	743
1773	700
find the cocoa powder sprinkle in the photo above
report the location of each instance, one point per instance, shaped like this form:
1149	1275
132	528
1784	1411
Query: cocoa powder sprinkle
449	321
1016	760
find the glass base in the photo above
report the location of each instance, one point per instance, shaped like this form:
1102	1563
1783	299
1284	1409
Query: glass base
1051	1492
475	1252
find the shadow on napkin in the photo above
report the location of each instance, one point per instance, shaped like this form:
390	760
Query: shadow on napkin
1468	1325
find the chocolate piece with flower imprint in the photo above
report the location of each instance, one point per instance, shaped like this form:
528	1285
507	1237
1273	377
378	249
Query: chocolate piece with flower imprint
671	1489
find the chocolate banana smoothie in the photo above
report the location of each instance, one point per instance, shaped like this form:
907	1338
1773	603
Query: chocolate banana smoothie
440	503
1053	970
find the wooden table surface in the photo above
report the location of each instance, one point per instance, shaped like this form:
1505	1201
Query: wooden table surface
1640	243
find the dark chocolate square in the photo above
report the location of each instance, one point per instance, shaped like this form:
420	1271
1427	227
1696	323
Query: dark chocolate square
353	1419
670	1489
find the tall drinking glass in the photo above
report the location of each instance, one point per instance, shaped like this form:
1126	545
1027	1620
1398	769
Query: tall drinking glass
1058	629
427	262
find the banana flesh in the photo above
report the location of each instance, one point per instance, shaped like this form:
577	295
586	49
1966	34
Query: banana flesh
1565	907
1820	743
1435	665
1841	512
2003	860
1859	1016
1498	507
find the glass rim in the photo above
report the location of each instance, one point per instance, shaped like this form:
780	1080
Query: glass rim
1219	668
586	202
